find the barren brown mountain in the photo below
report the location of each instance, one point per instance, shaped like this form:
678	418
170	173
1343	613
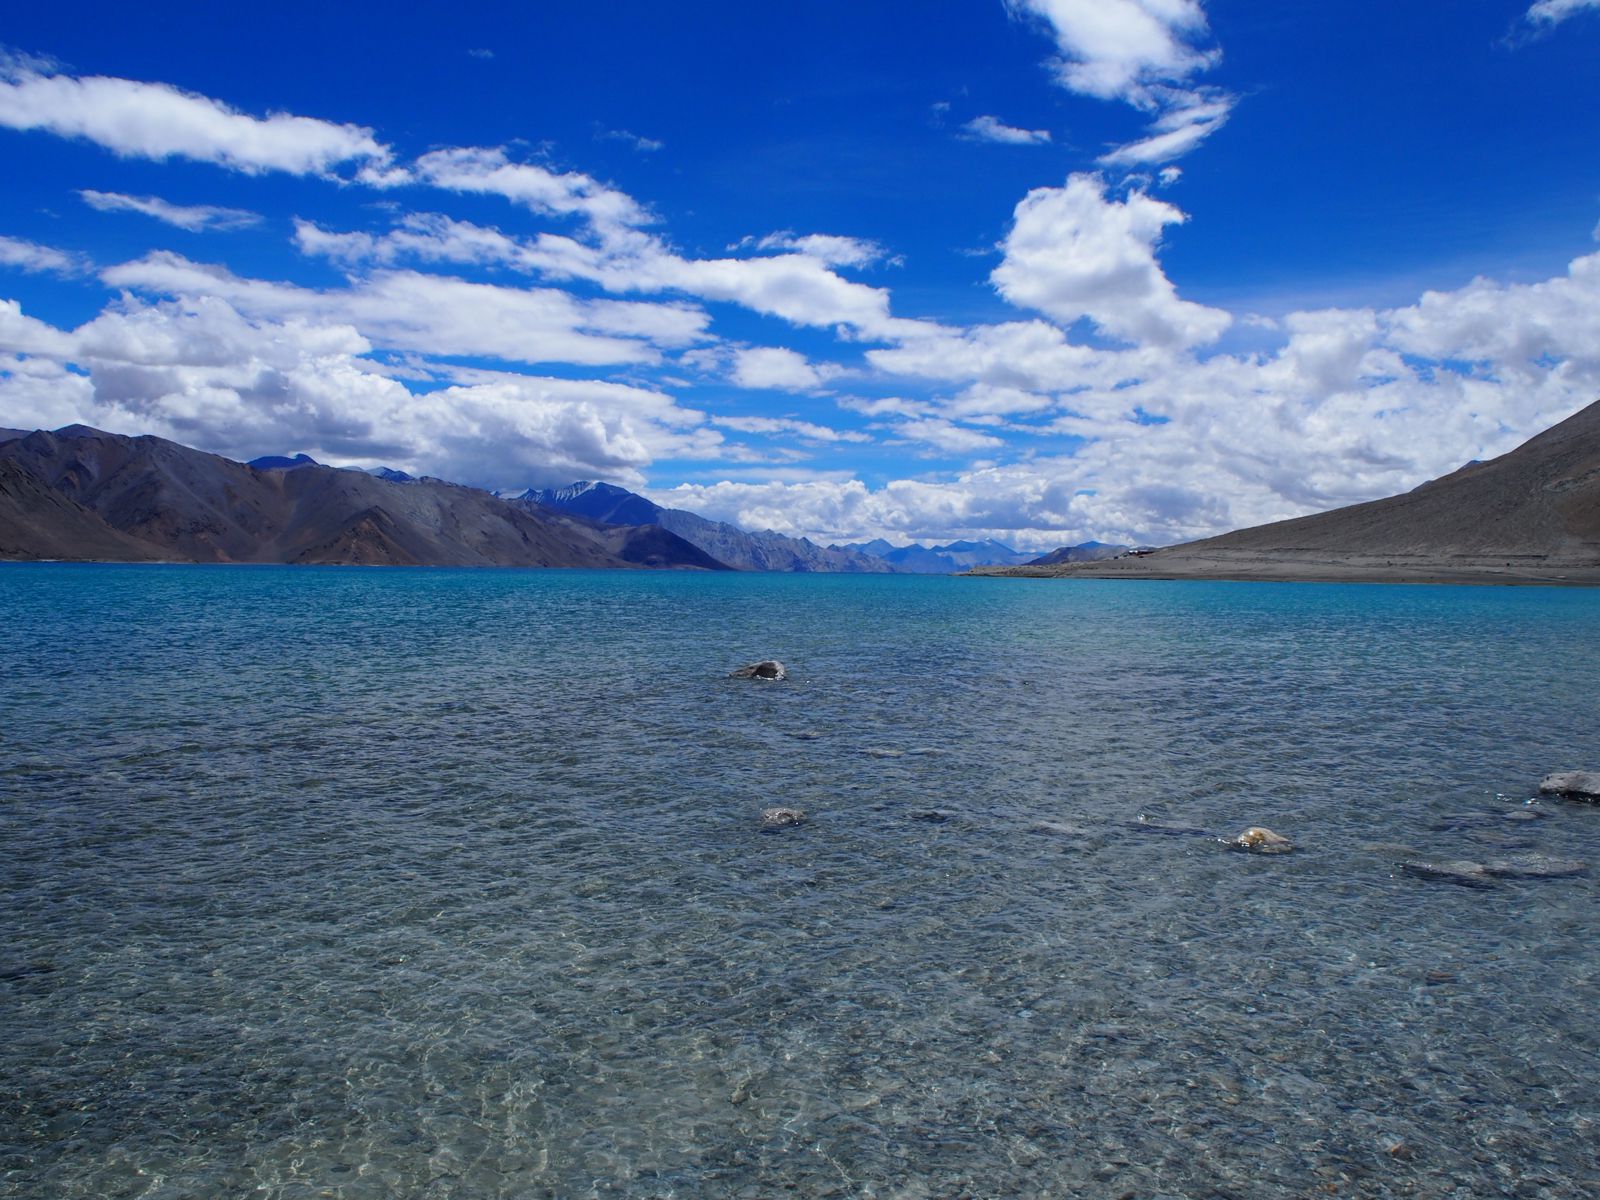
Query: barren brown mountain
1530	516
79	493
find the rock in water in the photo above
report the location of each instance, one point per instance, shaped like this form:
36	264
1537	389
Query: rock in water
1579	785
767	668
778	818
1262	841
1469	874
1535	866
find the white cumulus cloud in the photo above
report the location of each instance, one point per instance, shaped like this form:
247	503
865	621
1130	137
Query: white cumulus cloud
1074	252
440	315
774	367
201	371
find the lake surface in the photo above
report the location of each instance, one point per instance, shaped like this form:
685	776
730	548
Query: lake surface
419	883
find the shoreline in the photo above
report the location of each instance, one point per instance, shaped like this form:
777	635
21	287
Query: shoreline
1266	570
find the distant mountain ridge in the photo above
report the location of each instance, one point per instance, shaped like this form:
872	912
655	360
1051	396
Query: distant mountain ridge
940	560
726	543
80	493
279	462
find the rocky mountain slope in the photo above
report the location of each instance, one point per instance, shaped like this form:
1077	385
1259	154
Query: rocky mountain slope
79	493
1082	552
1529	516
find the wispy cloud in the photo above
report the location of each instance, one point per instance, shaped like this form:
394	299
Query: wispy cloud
28	256
834	249
489	170
1193	117
807	430
193	217
1552	12
1143	53
158	121
642	144
992	129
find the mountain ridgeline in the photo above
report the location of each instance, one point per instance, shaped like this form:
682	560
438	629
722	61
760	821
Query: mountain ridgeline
726	543
80	493
917	559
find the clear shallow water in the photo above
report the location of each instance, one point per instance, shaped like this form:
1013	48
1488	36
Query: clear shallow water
377	883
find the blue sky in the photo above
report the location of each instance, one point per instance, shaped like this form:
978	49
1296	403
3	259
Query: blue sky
1045	271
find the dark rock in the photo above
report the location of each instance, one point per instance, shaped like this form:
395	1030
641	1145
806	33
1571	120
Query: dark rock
768	668
779	818
1468	874
1576	785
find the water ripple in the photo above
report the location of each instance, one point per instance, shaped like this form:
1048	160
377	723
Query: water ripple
453	884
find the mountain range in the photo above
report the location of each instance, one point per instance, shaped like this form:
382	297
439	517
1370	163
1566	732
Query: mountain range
726	543
1530	516
80	493
918	559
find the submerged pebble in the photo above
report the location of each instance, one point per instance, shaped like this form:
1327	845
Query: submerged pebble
1462	871
1532	865
1535	866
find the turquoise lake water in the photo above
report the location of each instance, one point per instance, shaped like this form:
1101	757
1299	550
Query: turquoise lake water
413	883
